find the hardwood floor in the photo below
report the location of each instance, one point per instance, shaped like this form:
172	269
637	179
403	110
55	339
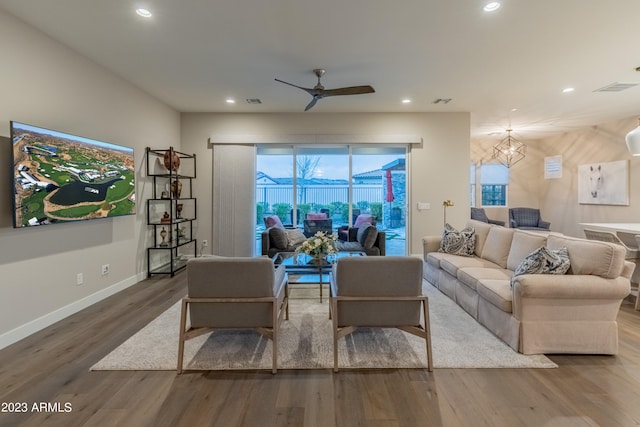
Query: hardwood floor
52	367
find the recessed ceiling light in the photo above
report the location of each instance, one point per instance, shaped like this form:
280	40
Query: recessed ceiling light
144	13
230	101
491	7
568	89
406	101
514	109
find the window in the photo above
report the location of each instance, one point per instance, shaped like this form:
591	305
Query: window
494	180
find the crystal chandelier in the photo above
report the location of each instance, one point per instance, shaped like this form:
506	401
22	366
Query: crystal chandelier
509	151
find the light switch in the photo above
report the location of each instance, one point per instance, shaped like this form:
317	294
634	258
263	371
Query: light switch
424	206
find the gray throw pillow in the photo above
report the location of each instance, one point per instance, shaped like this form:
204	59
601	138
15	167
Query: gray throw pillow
544	261
278	237
367	235
456	242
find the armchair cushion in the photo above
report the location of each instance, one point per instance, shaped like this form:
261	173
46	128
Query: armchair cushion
317	216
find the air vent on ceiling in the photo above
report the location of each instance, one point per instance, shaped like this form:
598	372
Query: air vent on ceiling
616	87
442	101
254	101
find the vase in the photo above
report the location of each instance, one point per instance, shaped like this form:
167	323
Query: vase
318	259
171	160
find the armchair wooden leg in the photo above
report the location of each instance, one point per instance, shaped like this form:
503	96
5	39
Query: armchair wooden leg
427	331
183	325
274	338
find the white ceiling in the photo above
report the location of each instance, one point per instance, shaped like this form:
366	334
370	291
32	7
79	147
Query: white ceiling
193	54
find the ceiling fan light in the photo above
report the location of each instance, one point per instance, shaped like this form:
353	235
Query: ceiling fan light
633	141
492	6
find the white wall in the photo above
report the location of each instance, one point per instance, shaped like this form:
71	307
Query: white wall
46	84
439	166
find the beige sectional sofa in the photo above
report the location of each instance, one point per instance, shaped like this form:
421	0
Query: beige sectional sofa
540	313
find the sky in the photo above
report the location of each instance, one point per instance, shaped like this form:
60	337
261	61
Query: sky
329	166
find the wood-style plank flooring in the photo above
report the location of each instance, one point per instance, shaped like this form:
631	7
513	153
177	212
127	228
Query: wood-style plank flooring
52	366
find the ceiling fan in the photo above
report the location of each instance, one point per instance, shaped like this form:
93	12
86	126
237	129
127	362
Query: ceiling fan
319	92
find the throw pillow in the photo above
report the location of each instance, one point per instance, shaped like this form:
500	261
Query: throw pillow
273	221
278	237
295	236
544	261
456	242
317	216
367	235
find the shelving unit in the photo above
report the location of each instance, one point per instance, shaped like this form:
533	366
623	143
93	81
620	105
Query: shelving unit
171	211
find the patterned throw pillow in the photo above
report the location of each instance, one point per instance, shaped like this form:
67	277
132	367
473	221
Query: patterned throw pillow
456	242
544	261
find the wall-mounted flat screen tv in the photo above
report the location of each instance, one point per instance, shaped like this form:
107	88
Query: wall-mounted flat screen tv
58	177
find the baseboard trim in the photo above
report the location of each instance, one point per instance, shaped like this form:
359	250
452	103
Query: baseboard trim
49	319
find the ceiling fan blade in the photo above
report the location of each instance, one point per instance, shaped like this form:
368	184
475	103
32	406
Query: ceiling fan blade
310	91
352	90
312	103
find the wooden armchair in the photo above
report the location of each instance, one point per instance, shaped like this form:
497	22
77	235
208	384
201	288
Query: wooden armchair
234	293
381	292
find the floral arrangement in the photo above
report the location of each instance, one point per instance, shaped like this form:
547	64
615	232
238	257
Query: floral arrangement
319	245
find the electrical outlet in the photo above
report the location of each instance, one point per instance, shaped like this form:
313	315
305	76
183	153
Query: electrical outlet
205	243
79	279
105	269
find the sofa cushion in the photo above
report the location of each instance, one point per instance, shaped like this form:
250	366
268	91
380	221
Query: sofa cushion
458	242
591	257
295	236
523	244
278	237
452	263
544	261
496	247
317	216
349	246
482	230
497	292
470	276
367	235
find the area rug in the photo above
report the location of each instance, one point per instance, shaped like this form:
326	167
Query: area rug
306	342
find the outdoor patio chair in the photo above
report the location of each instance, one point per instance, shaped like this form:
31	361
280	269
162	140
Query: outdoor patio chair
379	292
312	226
234	293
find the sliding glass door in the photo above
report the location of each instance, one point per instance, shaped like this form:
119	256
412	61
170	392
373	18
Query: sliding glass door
333	187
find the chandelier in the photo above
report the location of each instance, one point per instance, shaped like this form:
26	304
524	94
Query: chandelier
633	141
509	151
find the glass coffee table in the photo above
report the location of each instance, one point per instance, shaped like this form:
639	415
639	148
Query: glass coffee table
302	269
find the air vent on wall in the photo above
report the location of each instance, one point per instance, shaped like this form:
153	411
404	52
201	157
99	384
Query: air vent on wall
442	101
616	87
254	101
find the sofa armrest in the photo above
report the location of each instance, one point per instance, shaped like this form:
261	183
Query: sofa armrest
513	223
569	286
431	244
381	242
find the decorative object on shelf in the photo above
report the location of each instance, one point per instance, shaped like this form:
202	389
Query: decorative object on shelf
171	160
166	218
319	246
446	204
164	195
179	207
176	188
181	232
633	140
509	151
163	234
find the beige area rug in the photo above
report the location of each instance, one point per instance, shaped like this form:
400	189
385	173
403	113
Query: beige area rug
306	343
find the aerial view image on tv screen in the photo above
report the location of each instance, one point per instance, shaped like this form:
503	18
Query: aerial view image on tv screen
58	177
